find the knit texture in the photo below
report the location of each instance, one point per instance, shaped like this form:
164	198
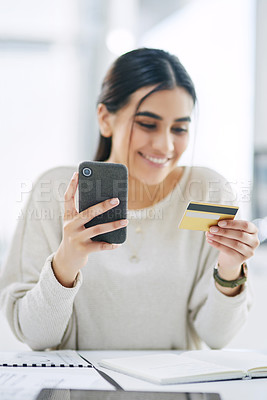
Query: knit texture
166	299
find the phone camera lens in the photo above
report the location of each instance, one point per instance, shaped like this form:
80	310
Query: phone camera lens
87	172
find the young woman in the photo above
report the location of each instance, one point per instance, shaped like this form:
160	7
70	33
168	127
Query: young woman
60	289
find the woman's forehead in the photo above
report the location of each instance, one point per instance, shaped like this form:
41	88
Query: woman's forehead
141	93
177	97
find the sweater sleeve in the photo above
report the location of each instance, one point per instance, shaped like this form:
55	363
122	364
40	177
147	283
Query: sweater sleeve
38	308
215	317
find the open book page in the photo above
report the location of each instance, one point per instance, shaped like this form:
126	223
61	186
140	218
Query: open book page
252	361
168	368
59	358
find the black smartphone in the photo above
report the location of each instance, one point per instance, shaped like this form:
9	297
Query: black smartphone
100	181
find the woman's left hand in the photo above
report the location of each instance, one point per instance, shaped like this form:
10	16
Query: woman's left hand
236	241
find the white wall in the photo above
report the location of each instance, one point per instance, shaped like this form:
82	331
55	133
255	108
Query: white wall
39	97
261	78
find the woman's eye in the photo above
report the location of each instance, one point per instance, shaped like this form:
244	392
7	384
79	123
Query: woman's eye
180	130
146	125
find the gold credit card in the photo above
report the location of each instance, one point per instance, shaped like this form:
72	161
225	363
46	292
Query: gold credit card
201	216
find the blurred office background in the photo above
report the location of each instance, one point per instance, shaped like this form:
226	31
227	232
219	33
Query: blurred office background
53	56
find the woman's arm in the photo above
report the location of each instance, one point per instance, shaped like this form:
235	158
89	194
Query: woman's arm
225	309
216	317
217	313
42	274
38	308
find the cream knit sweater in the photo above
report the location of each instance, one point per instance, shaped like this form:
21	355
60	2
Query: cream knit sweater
165	300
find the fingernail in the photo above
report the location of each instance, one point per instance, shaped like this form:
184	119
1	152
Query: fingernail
114	201
209	234
214	229
73	176
124	222
222	223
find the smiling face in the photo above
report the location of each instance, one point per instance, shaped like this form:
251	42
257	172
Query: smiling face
151	141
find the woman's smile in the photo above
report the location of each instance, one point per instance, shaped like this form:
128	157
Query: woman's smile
155	160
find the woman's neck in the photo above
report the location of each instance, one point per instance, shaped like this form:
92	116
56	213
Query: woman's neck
142	195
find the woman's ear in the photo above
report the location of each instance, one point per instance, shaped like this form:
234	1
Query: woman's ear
104	120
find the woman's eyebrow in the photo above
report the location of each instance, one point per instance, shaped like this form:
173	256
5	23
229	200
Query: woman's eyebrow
148	114
156	116
183	119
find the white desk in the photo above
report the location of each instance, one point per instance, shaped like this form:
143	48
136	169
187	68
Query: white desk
15	382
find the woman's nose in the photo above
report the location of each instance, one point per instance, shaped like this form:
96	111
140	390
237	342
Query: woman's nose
163	141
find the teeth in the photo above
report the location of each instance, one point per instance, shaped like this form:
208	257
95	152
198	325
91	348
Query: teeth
156	160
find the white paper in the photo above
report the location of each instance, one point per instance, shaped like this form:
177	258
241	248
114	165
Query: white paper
57	358
24	383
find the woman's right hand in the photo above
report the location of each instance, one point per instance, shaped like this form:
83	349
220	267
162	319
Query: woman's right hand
76	243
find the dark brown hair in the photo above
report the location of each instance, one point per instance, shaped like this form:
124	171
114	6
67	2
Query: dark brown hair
134	70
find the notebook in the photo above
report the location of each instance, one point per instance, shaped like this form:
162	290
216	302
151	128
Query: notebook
57	358
191	366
